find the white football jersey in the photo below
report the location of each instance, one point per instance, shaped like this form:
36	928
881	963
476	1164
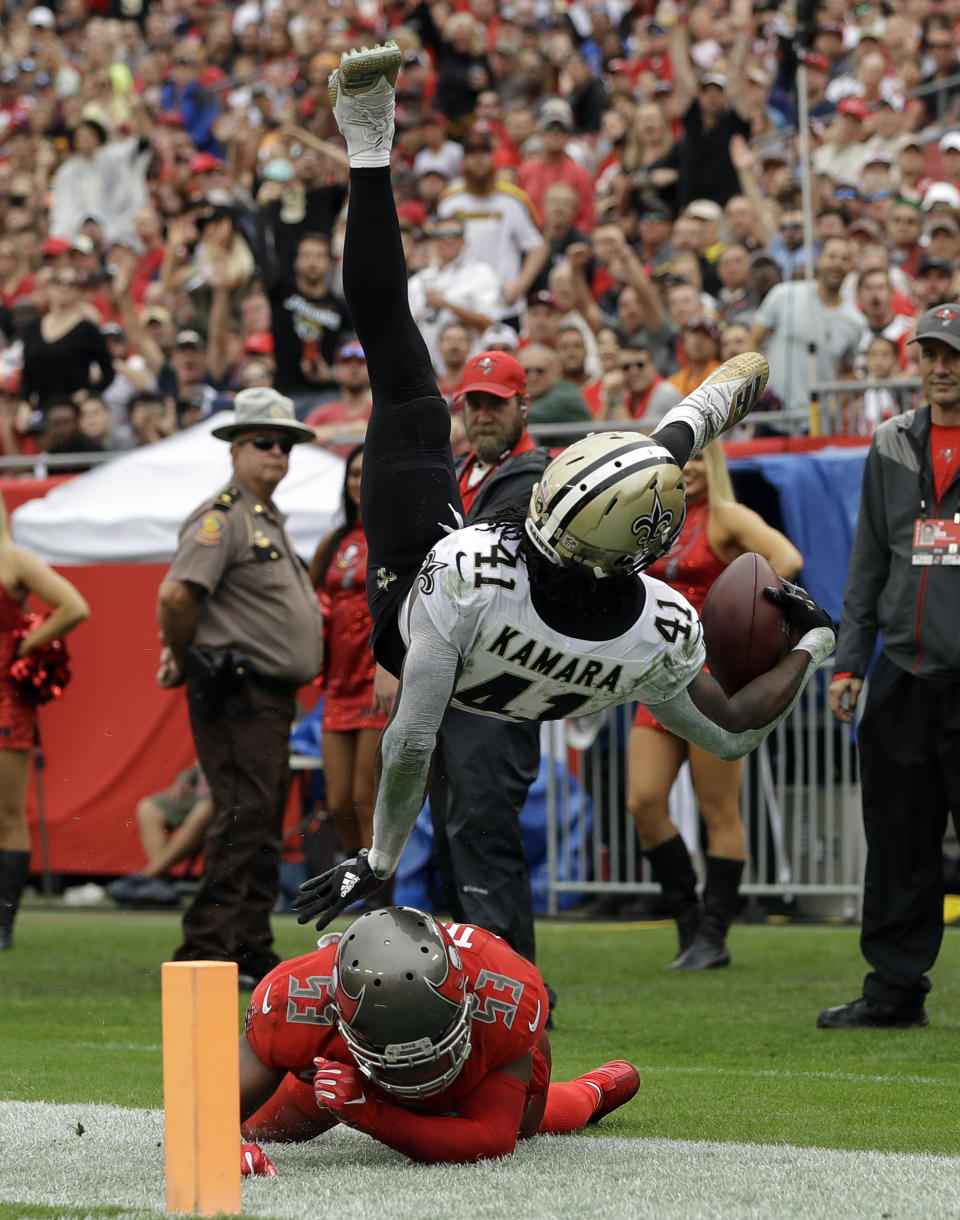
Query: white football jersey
516	667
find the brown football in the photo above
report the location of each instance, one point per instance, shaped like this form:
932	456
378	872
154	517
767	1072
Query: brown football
744	633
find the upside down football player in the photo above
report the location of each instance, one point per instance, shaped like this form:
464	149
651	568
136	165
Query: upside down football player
428	1037
543	613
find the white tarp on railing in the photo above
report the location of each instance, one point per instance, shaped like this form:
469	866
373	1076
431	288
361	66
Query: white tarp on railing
131	509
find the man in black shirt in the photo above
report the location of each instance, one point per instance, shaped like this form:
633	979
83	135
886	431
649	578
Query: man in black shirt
308	323
307	203
713	110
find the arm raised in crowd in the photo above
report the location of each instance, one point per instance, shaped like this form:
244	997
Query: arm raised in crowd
140	338
740	21
219	324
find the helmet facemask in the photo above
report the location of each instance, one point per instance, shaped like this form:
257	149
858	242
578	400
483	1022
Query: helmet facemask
404	1005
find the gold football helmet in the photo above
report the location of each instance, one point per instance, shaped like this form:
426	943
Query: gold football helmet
613	502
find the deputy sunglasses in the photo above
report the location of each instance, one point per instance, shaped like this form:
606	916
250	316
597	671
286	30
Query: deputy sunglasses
266	443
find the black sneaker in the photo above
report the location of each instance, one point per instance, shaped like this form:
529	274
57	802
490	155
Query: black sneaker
867	1014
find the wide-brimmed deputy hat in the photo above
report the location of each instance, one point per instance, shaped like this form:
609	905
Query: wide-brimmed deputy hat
261	407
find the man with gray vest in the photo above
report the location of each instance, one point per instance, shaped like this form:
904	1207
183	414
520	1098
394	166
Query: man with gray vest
903	584
241	625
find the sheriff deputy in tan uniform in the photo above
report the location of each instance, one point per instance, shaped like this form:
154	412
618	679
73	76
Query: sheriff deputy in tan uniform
240	623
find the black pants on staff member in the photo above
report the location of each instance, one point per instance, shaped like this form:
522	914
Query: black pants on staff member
909	741
483	769
244	753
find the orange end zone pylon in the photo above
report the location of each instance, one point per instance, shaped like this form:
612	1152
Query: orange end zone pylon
201	1087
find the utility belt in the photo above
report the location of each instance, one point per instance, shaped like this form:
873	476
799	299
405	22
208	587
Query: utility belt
214	675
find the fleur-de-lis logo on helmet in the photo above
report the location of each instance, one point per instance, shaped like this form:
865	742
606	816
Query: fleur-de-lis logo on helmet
654	525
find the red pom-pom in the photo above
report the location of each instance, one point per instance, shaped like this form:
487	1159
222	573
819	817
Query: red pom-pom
43	673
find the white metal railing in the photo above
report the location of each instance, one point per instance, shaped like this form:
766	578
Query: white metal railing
800	799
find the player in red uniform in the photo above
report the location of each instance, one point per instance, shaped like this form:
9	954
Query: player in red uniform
428	1037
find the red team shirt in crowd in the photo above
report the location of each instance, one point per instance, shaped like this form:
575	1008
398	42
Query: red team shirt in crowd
350	667
291	1018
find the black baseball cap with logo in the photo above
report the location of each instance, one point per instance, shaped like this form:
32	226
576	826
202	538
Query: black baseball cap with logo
941	324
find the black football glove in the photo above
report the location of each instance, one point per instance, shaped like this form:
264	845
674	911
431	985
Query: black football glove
324	897
802	612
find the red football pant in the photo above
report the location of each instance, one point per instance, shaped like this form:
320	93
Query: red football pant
290	1115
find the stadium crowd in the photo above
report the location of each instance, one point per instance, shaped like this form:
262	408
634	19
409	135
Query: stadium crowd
614	189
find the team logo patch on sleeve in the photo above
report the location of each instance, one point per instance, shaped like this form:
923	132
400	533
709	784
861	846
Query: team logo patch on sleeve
212	527
431	565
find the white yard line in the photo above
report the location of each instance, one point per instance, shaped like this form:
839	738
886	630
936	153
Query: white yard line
117	1161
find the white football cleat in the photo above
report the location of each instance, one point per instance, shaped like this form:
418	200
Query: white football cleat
363	97
722	400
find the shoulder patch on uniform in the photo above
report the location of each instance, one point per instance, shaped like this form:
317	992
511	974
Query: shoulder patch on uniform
226	499
212	528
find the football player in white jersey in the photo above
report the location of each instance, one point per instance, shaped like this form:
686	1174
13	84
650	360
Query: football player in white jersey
543	613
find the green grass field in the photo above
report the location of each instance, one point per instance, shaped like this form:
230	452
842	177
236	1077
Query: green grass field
741	1093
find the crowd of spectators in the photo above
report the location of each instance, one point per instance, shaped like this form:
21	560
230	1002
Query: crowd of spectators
611	190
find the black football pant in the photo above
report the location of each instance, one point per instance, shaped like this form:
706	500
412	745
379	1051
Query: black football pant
244	753
483	769
909	742
409	491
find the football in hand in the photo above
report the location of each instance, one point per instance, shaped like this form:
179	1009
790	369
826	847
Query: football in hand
744	633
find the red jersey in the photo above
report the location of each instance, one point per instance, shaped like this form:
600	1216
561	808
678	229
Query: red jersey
945	453
692	564
691	568
291	1018
350	667
537	176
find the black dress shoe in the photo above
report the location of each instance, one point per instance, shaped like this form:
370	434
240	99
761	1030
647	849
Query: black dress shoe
867	1014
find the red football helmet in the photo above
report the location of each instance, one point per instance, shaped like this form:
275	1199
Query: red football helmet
403	1001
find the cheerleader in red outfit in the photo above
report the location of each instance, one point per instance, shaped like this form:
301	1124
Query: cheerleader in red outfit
717	529
21	574
358	696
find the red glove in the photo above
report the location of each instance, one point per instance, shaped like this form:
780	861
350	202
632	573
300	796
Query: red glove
341	1090
254	1161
